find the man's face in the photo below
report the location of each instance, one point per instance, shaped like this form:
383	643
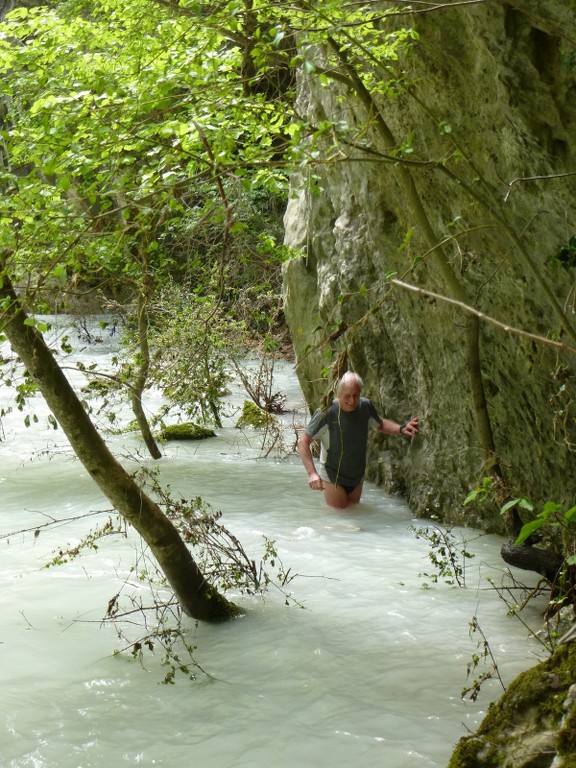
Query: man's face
349	397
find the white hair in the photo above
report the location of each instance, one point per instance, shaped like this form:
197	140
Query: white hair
348	378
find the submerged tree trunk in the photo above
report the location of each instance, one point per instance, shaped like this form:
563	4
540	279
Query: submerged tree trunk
196	596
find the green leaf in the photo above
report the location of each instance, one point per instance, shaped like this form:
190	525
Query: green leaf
61	274
521	502
528	529
550	508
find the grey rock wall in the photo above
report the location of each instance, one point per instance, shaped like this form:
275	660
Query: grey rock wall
504	81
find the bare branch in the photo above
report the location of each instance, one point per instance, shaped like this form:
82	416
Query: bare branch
536	178
472	311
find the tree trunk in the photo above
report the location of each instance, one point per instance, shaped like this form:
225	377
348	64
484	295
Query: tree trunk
142	377
196	596
542	561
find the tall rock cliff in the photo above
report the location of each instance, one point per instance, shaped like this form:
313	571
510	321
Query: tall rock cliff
459	182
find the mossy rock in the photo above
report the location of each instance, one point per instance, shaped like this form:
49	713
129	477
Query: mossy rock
186	431
533	722
99	387
253	416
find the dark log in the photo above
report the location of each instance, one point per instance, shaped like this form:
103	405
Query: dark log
542	561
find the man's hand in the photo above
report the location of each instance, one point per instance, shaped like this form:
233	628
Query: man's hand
410	428
315	482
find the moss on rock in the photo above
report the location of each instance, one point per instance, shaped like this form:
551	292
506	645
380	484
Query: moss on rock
533	723
567	734
186	431
254	416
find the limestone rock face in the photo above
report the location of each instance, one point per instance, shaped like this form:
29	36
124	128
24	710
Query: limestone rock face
488	126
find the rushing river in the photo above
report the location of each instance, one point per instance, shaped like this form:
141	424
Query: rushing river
366	670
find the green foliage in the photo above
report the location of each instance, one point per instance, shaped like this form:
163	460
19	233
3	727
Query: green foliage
24	389
447	555
112	527
483	654
146	144
566	255
553	522
109	141
220	555
143	146
553	515
481	493
191	339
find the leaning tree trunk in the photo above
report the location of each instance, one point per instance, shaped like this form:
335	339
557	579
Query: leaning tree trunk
196	596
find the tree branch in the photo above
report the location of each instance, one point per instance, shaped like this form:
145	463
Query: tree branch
481	316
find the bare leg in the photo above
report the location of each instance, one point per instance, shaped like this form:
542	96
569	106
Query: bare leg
354	497
335	496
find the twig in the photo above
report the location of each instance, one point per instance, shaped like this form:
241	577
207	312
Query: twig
54	522
535	178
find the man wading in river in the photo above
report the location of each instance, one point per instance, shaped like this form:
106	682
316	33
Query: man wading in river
342	430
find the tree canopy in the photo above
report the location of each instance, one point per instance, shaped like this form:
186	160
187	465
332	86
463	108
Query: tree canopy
119	121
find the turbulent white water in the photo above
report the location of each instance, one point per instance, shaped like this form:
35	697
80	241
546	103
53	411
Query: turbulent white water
368	672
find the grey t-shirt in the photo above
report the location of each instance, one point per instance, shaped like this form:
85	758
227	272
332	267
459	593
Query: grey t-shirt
343	439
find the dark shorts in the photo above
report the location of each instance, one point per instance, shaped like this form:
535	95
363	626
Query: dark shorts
330	474
347	488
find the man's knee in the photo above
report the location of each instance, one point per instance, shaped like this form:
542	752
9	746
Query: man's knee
335	496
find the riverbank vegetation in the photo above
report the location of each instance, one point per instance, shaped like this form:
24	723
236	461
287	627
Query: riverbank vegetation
138	176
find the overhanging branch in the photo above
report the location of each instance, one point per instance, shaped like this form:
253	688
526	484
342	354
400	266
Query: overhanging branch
482	316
